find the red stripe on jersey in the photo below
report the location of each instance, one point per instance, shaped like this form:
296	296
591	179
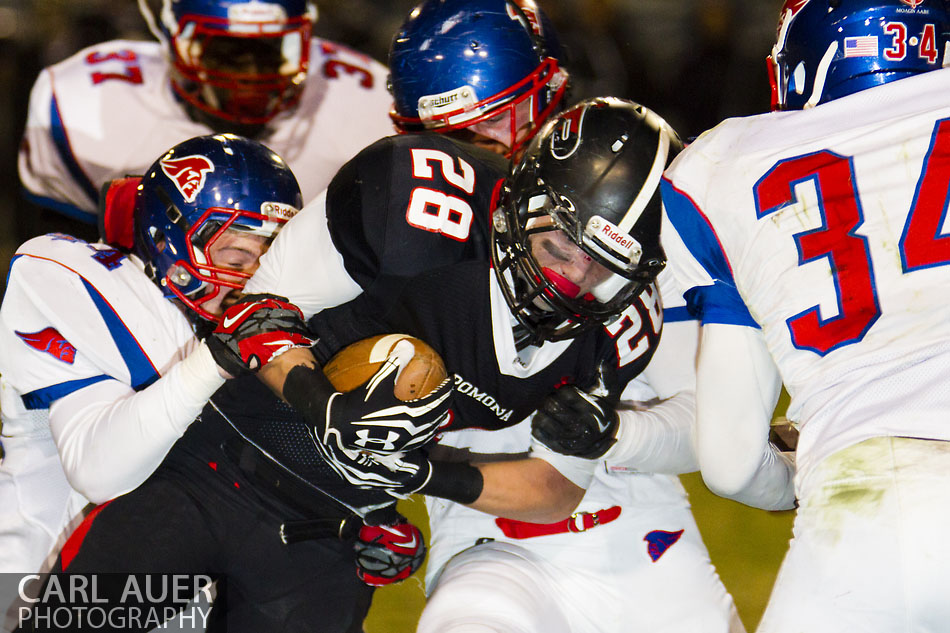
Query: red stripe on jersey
71	548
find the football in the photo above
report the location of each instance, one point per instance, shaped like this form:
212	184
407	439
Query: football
356	363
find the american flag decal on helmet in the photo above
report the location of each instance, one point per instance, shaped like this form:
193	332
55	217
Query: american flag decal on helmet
51	342
188	174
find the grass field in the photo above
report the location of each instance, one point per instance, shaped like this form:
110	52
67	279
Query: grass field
746	545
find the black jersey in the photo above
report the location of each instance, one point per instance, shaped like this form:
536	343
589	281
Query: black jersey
410	218
449	308
409	204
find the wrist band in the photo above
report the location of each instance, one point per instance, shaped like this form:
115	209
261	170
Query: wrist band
307	390
456	481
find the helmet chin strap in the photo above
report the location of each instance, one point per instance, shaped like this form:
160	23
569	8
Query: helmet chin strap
524	338
527	325
152	22
821	74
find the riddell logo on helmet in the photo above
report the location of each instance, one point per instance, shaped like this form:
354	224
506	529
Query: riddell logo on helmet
611	233
278	210
188	174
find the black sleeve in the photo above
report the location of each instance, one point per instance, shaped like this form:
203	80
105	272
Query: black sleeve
626	347
374	200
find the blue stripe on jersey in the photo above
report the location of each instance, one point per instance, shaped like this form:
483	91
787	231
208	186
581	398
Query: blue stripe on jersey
10	269
41	398
677	314
720	302
61	139
141	371
60	207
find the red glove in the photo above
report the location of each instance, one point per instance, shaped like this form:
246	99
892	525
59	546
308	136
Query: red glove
256	330
388	553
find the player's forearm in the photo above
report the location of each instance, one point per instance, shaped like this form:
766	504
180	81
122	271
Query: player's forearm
274	374
527	490
111	439
769	486
524	489
657	438
732	420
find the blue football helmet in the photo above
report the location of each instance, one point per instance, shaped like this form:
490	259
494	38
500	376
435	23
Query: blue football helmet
577	235
195	193
826	49
487	66
240	61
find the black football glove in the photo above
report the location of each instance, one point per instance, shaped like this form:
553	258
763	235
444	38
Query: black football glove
256	330
573	422
371	418
398	474
388	553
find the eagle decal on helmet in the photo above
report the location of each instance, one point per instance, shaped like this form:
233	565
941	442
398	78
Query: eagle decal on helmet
188	174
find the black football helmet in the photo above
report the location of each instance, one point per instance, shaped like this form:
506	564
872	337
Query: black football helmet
577	235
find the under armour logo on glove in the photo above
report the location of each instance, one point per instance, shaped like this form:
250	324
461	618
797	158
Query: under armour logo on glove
386	444
372	418
388	553
399	474
256	330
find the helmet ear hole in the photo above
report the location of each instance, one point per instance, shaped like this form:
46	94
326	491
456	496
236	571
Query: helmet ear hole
157	237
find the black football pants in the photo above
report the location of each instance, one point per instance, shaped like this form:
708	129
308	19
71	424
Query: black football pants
208	520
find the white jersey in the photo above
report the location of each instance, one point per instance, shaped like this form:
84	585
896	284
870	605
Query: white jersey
76	317
826	229
647	545
109	111
646	569
456	527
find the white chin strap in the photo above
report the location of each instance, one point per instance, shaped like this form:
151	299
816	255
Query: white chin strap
821	74
150	20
